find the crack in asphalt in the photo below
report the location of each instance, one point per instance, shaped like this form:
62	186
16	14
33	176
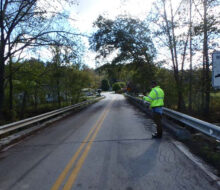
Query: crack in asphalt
79	142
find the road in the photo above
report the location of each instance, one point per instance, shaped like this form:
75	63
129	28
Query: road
106	146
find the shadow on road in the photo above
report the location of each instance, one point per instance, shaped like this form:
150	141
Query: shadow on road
144	163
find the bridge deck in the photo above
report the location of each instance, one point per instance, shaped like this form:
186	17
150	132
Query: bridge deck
107	146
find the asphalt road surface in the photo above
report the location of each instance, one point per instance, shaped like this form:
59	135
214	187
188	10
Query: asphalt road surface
107	146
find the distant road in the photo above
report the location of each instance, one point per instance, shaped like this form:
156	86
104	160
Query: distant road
107	146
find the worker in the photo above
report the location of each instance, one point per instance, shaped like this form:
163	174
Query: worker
156	100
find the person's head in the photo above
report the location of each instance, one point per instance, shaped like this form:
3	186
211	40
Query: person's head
153	83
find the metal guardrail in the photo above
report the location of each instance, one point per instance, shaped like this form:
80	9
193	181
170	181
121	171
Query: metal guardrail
19	125
202	126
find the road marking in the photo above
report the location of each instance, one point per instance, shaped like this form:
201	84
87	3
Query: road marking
69	165
63	175
80	162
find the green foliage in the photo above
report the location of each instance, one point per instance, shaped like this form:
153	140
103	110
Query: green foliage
111	71
139	73
39	87
105	85
206	148
118	86
215	106
165	80
122	84
131	37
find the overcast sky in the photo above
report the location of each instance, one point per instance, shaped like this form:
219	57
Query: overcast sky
87	11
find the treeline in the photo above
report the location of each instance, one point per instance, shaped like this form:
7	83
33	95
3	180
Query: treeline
137	85
173	45
33	87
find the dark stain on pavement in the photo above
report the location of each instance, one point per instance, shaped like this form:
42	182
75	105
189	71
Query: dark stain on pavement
143	164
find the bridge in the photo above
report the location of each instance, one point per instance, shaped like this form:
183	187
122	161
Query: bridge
107	146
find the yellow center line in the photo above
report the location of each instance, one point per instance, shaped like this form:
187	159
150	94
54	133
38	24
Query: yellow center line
81	160
63	175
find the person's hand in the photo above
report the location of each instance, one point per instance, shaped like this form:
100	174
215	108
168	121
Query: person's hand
146	104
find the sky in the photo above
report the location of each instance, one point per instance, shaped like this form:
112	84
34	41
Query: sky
87	11
84	13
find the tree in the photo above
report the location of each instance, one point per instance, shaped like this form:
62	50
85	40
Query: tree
206	32
28	83
190	54
131	39
105	85
111	71
167	24
116	87
26	24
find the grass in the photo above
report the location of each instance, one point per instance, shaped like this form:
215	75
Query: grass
206	148
215	94
215	107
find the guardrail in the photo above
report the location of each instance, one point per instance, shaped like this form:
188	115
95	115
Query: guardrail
202	126
11	128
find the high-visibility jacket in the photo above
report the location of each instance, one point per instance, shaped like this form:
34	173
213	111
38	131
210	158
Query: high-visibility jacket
155	97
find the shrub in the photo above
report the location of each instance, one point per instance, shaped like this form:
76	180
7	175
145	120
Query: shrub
105	85
118	86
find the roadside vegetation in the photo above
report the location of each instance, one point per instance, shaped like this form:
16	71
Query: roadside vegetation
37	87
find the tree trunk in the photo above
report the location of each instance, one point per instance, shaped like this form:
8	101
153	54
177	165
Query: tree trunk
2	80
58	94
10	89
23	106
180	103
35	98
2	61
203	83
206	61
173	51
190	49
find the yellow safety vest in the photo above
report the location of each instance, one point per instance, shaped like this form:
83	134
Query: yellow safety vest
155	97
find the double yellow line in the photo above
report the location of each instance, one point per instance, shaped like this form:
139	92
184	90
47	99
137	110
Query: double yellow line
72	177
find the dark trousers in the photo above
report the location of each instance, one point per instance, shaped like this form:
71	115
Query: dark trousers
157	117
